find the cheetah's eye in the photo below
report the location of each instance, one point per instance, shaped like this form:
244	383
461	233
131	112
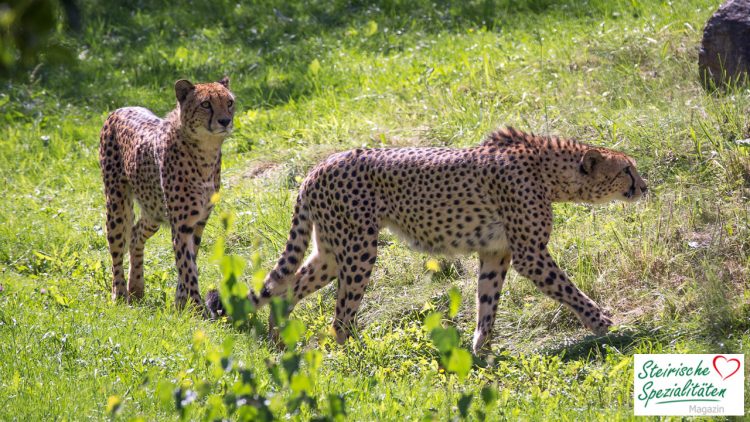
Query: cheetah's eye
230	103
206	104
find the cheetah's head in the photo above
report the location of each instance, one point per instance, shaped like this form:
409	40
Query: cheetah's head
206	110
608	176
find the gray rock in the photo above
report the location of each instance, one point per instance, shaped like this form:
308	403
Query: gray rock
725	49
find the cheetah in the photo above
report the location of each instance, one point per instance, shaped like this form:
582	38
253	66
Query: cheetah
171	167
494	199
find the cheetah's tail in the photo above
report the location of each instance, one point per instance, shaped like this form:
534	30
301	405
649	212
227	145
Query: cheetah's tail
290	260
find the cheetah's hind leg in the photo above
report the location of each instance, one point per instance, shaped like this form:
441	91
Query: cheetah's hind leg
493	267
119	226
318	271
355	270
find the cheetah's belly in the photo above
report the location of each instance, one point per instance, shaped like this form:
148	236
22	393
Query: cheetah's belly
145	181
447	241
151	200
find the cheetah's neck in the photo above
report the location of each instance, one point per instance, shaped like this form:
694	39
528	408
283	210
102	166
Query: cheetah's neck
204	151
560	161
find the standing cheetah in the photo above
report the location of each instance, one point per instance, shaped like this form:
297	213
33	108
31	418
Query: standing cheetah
172	167
494	199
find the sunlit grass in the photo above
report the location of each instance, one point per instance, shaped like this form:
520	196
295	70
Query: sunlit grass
327	76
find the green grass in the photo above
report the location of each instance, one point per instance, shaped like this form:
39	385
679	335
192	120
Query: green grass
327	76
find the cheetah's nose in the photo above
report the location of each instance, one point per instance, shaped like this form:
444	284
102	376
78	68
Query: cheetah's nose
225	122
644	189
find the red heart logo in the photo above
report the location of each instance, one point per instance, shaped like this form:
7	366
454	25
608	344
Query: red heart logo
727	365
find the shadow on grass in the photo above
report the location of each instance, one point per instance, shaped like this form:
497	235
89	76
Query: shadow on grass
132	43
593	348
590	348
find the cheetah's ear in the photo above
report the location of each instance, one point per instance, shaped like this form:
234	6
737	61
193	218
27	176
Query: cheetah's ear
590	160
224	81
182	88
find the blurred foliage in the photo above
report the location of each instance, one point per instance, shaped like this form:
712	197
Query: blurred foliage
27	33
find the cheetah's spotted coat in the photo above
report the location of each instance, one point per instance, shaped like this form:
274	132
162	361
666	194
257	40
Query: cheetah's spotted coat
494	199
171	166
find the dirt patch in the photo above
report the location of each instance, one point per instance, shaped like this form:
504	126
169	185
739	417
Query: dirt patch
260	170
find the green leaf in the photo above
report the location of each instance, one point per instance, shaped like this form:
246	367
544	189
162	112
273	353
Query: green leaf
459	362
455	301
445	339
314	67
371	28
227	219
313	358
181	54
203	388
432	321
218	252
489	395
463	404
300	383
255	412
240	290
226	347
294	403
199	338
59	298
232	265
248	378
164	391
233	294
290	362
336	407
259	278
275	371
279	310
214	408
292	332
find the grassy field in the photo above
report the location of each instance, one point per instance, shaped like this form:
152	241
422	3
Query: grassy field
326	76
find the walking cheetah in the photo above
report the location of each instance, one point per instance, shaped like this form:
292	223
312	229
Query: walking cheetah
494	199
172	167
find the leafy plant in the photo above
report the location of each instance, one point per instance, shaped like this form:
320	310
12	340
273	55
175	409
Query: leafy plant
237	390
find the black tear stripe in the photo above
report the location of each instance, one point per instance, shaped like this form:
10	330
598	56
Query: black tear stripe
632	180
210	118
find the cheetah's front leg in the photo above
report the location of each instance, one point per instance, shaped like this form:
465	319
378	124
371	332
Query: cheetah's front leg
532	260
184	250
142	231
553	282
